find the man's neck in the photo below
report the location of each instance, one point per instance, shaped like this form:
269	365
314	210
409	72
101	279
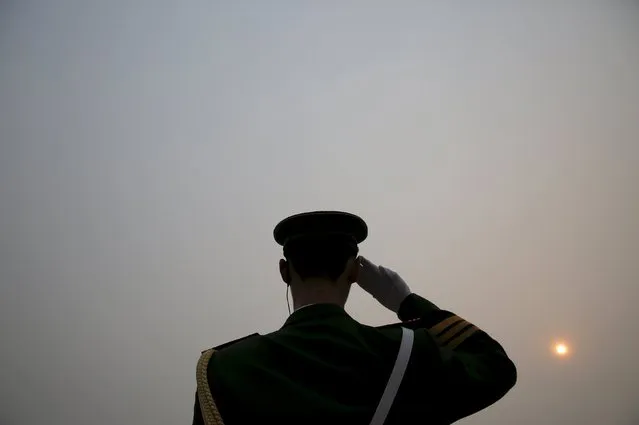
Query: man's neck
301	307
297	304
316	292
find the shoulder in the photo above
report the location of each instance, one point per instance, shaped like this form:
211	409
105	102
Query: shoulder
222	356
206	406
222	350
234	345
382	339
234	342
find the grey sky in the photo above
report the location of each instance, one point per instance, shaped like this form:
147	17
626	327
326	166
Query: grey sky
147	149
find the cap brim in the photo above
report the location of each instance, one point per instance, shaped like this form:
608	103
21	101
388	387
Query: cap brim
320	223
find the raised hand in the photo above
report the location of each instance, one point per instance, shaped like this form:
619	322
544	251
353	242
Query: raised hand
385	285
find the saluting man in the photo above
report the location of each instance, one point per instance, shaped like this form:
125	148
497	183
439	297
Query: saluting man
322	366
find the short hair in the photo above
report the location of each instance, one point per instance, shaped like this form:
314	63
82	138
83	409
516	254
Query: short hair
320	256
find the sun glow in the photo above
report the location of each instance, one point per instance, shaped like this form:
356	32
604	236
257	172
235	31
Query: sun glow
561	349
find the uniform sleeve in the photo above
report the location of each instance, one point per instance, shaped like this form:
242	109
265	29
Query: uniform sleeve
472	370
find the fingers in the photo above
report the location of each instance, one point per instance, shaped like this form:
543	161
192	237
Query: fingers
386	271
368	272
365	262
370	269
365	267
368	266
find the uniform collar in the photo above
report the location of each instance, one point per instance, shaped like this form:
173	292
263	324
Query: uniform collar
314	312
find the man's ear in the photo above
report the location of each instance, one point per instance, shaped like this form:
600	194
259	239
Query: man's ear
285	271
352	268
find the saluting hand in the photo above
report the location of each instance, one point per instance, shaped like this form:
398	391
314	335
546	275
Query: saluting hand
385	285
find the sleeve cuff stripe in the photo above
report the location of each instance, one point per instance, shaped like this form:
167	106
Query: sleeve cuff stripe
441	327
453	332
452	344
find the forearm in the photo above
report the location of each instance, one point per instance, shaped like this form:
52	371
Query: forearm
468	368
446	328
415	307
476	371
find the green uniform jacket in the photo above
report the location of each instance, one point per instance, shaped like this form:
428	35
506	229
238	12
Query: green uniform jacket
324	367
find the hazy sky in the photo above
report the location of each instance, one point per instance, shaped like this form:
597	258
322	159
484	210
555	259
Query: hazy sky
147	149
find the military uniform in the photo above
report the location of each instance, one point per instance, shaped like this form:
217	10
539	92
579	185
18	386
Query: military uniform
323	366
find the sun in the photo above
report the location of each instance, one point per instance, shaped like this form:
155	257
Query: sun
561	349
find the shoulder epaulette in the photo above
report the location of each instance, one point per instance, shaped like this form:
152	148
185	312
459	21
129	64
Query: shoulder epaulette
210	413
208	408
228	344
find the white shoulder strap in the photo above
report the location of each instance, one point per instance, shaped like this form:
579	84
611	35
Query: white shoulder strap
385	403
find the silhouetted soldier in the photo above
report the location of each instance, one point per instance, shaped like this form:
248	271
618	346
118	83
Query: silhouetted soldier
322	366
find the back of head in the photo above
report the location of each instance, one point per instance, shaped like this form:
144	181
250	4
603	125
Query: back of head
320	249
320	256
